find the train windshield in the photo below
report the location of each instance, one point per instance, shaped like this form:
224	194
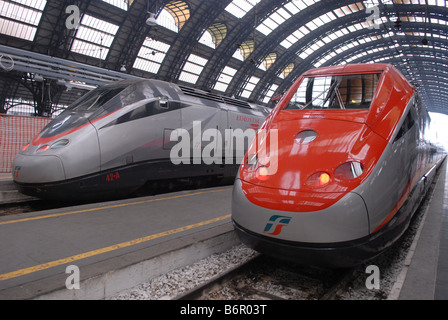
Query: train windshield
96	98
335	92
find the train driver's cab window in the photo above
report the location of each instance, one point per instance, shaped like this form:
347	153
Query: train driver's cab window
335	92
96	99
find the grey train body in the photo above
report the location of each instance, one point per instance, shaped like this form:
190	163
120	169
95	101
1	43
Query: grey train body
119	136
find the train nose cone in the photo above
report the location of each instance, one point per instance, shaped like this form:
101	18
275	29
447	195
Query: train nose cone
346	220
37	169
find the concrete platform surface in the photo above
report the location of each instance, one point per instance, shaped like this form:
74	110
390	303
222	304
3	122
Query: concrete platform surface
425	275
115	245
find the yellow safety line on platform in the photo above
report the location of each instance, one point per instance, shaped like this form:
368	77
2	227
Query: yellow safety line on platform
109	207
85	255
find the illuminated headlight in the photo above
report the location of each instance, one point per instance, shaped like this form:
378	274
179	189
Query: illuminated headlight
60	144
349	170
57	145
263	173
26	147
43	148
318	179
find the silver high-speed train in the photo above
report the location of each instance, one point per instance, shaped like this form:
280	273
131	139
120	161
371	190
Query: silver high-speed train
119	136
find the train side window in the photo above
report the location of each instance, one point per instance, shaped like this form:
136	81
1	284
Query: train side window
409	121
138	113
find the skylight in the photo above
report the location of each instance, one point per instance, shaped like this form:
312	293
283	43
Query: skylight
224	79
355	42
20	18
270	93
174	15
239	8
273	21
320	21
151	55
122	4
94	37
282	14
192	69
304	53
214	35
250	86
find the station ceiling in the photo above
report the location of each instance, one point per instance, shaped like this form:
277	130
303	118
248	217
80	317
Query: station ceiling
248	49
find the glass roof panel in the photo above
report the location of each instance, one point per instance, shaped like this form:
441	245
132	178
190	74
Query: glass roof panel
151	55
360	26
225	78
239	8
214	35
207	39
122	4
94	37
246	48
270	93
282	14
165	19
287	70
180	12
250	86
273	21
20	18
192	69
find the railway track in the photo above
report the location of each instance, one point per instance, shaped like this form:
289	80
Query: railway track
262	278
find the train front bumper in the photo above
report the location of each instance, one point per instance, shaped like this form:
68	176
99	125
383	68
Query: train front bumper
337	236
37	169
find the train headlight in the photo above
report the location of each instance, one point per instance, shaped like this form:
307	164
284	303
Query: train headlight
60	144
318	179
349	170
263	173
43	148
25	147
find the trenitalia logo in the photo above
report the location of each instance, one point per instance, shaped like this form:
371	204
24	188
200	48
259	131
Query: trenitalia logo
275	225
209	147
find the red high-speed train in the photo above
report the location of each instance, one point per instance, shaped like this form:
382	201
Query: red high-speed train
337	169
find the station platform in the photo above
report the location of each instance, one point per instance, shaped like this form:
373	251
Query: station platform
114	245
425	274
8	191
120	244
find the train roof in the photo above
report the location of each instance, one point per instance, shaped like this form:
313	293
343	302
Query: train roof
187	93
386	68
349	69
